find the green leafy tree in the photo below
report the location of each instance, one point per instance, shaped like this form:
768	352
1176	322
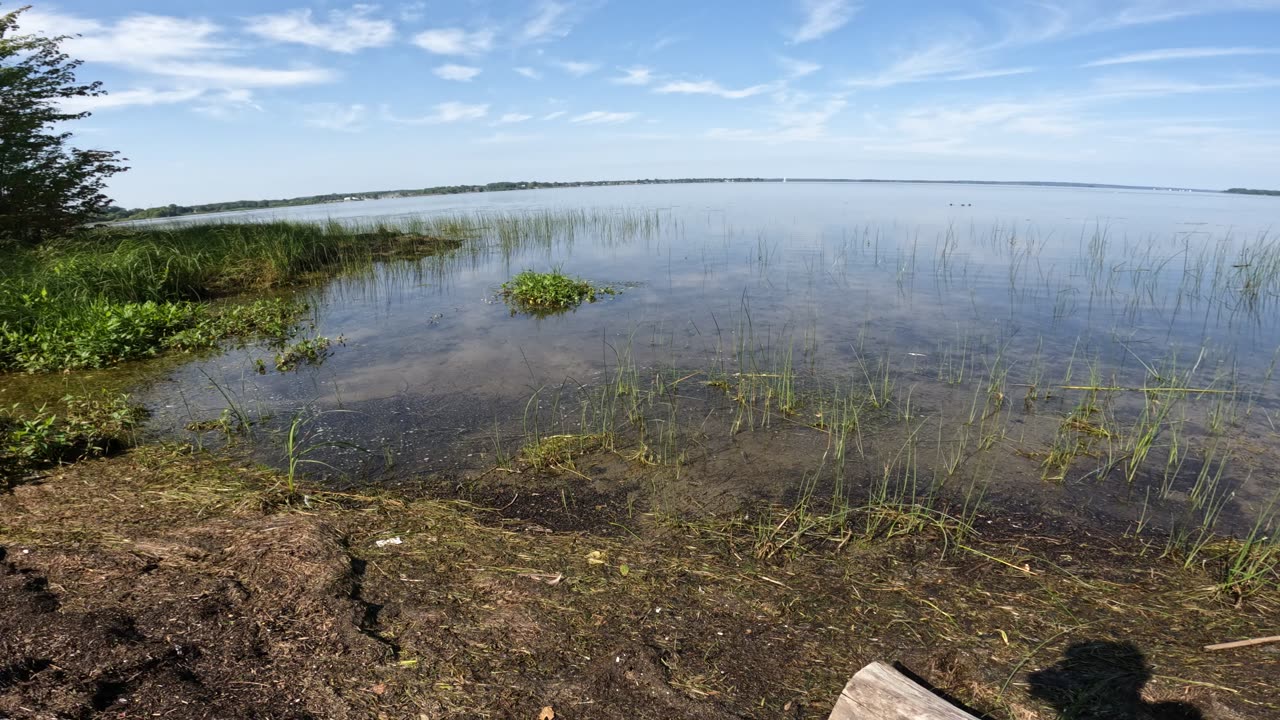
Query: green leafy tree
46	186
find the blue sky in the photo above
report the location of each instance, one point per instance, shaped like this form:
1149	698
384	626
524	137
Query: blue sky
232	99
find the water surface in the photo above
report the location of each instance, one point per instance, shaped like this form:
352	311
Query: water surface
966	305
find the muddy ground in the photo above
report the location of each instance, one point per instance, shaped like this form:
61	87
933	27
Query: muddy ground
166	583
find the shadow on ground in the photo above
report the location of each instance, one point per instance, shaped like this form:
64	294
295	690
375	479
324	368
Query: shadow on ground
1102	680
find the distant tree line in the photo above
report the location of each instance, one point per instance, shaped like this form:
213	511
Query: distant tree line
167	211
1248	191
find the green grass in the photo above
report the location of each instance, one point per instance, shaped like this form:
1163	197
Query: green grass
108	295
85	427
538	293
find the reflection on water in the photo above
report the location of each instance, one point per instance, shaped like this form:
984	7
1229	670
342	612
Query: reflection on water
1111	351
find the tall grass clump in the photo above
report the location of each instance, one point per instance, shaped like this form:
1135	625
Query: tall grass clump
106	295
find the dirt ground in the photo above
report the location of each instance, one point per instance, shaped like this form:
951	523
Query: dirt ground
162	583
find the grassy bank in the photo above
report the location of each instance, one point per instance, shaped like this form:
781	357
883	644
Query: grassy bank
113	294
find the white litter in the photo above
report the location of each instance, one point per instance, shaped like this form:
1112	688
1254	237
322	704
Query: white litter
389	541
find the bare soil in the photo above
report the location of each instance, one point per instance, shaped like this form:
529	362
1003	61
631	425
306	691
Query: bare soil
162	583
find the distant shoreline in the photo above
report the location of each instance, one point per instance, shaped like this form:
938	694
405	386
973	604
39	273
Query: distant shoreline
170	211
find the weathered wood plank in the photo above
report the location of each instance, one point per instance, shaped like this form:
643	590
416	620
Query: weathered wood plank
878	692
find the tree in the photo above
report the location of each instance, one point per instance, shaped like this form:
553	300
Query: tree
46	186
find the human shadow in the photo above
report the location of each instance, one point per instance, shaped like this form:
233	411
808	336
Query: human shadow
1101	680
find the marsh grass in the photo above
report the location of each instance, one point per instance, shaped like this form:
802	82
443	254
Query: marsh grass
558	451
107	295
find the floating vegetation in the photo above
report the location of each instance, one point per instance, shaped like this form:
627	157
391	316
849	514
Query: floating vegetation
544	293
311	351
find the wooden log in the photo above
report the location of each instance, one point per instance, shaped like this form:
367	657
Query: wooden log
878	692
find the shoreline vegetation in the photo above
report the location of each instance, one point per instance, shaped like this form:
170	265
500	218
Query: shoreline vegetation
154	576
173	210
107	295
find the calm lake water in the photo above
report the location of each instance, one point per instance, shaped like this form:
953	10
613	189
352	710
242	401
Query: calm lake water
1100	352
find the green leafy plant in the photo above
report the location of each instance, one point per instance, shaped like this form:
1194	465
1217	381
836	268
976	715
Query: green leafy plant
311	351
87	427
544	293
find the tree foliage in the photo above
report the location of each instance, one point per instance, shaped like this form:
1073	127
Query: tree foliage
46	186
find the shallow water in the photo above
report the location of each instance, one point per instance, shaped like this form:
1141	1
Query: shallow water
966	304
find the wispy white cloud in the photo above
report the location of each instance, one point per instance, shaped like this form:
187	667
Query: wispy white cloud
241	76
454	41
600	117
1151	12
823	17
797	68
634	76
709	87
444	113
504	137
128	98
227	104
554	115
134	40
460	73
796	117
1149	56
190	50
577	68
965	48
334	116
412	12
945	57
512	118
995	73
1130	88
528	72
551	20
346	31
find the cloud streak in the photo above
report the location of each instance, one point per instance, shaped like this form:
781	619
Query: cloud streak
823	17
600	117
337	117
709	87
1167	54
444	113
634	76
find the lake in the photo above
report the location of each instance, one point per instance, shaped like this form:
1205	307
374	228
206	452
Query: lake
1098	354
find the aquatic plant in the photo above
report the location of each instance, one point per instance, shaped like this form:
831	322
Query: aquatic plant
541	292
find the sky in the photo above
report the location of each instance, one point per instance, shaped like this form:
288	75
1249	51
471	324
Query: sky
218	100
